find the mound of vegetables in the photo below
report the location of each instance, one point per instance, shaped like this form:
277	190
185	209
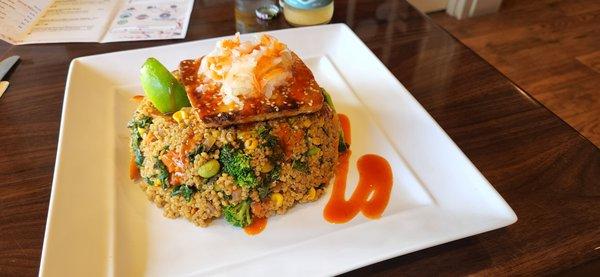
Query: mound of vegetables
168	95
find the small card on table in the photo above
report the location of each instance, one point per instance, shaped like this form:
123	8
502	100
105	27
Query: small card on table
53	21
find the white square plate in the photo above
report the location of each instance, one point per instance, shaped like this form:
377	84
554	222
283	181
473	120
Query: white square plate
100	222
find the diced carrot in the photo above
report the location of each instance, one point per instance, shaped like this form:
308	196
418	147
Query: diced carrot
137	98
288	137
169	159
134	171
175	165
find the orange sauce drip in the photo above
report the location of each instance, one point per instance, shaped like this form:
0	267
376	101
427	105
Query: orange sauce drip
372	193
258	225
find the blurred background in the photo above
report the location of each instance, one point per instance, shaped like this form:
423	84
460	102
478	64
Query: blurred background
549	48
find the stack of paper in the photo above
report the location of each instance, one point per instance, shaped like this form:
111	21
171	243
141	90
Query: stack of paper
47	21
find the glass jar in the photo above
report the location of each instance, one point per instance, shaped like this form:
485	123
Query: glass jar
307	12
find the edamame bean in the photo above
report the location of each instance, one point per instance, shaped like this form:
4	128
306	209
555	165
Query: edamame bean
209	169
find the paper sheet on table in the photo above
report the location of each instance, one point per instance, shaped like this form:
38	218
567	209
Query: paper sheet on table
48	21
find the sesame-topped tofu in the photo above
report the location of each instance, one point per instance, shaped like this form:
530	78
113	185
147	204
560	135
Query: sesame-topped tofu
242	82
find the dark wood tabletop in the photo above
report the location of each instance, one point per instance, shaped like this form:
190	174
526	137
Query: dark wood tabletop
546	171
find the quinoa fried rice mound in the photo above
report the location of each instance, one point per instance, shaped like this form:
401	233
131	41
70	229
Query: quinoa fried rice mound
242	171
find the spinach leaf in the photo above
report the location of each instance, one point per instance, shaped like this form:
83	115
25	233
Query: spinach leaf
136	137
300	166
265	187
192	155
263	191
163	174
342	145
272	142
274	174
185	191
143	122
263	131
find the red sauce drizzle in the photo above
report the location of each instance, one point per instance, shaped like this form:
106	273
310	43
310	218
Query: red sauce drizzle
372	193
258	225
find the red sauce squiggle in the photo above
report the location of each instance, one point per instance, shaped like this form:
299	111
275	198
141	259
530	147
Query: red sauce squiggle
372	193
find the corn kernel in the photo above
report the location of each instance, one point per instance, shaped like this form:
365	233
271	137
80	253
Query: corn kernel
315	140
306	122
179	116
277	199
266	167
141	131
251	143
312	193
157	182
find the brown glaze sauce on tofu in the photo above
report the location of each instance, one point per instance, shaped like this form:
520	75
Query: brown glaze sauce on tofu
301	94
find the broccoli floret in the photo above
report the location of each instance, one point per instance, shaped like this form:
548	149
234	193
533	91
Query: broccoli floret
237	164
238	215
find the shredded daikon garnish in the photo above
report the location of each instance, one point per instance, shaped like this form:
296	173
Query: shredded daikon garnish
247	69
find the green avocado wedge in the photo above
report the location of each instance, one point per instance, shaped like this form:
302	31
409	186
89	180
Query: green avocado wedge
162	88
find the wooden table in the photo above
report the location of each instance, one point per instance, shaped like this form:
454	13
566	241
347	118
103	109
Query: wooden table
546	171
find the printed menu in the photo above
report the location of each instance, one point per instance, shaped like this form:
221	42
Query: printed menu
50	21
